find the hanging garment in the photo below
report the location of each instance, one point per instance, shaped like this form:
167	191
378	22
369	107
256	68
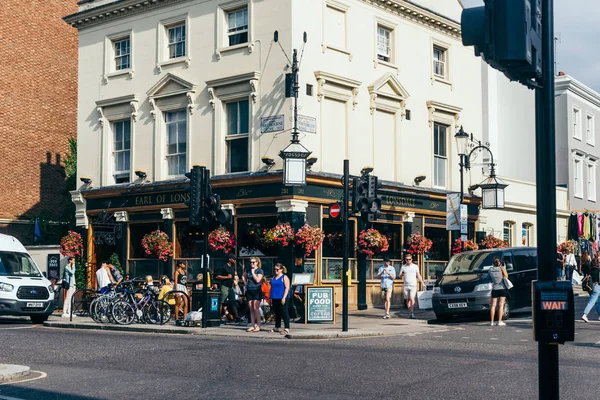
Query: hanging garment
572	228
593	227
586	226
580	218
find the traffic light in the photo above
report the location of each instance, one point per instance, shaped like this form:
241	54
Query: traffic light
508	35
194	201
360	202
213	214
373	201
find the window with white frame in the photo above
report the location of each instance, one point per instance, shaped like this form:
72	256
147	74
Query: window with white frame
577	123
578	176
590	134
591	180
440	154
526	233
237	135
237	26
440	62
122	53
121	150
177	36
176	137
384	43
508	232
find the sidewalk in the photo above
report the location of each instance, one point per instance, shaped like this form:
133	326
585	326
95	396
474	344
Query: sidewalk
366	323
10	372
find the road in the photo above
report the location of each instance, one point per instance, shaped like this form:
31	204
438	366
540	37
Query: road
474	362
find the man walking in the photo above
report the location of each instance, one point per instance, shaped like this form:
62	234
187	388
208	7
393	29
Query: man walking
387	273
225	276
411	273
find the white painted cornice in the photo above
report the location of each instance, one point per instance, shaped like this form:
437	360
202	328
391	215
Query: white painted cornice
104	13
417	14
568	83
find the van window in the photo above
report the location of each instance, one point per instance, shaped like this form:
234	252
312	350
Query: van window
468	263
525	260
17	264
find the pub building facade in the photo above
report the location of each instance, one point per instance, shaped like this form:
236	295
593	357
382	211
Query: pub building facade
257	203
168	84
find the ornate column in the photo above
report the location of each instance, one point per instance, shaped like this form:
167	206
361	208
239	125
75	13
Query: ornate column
408	222
122	242
167	216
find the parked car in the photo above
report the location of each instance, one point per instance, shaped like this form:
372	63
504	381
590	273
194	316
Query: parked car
23	289
465	287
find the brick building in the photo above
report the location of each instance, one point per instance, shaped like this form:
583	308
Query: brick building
38	91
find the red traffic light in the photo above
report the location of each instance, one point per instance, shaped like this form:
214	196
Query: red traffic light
335	210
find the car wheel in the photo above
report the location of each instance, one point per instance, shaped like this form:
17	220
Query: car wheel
506	310
38	319
443	317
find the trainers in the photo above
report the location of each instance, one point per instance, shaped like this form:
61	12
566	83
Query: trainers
492	323
585	318
501	323
386	316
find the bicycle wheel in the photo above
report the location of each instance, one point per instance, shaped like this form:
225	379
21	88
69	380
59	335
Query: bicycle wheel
101	309
93	312
157	311
123	312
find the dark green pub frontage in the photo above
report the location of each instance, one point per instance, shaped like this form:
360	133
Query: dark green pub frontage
114	219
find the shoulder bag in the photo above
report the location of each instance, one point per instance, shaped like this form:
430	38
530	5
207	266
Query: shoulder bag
507	283
586	284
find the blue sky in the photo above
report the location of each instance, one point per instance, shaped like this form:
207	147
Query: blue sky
577	24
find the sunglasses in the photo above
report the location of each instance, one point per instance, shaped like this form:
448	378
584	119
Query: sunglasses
277	269
252	262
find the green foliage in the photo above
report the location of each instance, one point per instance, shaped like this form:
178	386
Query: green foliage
70	181
114	259
79	273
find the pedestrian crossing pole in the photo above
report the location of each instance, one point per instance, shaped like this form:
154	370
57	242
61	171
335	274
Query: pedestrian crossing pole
346	250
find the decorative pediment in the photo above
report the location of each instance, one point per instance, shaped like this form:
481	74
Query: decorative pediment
437	107
224	87
337	87
117	108
168	86
388	94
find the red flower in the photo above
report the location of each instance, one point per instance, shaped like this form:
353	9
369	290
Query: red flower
157	244
370	242
491	242
280	234
71	245
418	244
221	239
310	238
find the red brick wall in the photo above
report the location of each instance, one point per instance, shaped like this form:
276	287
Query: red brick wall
38	110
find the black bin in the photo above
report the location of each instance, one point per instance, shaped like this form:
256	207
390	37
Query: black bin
214	314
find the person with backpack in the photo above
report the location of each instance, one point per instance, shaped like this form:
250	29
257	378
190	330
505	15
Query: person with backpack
595	284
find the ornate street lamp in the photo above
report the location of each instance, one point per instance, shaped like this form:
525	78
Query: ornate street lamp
492	188
492	191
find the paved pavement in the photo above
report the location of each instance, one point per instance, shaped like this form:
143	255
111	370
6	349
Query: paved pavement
360	324
9	372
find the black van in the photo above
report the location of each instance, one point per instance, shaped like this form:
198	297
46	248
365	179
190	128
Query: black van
466	288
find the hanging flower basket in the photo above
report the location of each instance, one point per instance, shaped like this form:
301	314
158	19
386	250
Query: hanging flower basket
492	242
371	242
459	246
71	245
567	246
157	244
221	239
309	238
280	234
418	244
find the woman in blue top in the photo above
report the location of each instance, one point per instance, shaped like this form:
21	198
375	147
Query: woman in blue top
252	283
280	293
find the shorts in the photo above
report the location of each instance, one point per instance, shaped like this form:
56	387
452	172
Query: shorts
225	291
255	294
410	291
182	288
499	293
386	293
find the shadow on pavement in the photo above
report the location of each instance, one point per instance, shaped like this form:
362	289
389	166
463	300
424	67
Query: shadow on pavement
37	394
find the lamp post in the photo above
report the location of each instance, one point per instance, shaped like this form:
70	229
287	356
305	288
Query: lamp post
294	155
492	188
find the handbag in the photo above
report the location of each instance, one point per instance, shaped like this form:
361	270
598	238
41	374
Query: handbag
586	284
65	284
507	283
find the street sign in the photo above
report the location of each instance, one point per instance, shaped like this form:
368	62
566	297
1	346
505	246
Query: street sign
453	211
307	124
272	124
335	210
464	219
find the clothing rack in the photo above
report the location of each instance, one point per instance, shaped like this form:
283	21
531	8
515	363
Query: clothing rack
586	210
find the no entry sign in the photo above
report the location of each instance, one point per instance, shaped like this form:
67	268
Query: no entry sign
335	210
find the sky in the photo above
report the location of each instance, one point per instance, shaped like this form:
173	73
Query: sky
576	24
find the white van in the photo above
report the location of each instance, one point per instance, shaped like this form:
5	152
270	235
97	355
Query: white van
23	289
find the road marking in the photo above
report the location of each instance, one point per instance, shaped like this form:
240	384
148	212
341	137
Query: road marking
524	340
493	338
465	337
42	376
